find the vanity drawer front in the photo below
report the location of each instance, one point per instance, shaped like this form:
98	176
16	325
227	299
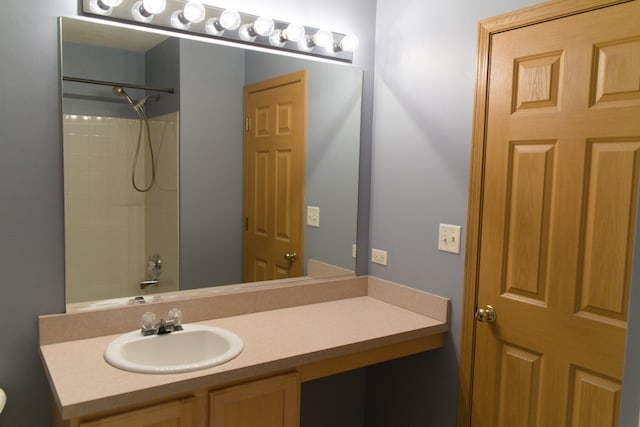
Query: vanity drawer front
178	413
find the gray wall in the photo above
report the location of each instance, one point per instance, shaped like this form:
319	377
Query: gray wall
210	164
631	383
100	63
31	212
424	86
162	70
333	121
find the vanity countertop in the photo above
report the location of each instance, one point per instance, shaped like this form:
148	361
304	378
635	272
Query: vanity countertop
275	340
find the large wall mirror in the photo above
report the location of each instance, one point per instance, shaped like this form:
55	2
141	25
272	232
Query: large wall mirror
153	161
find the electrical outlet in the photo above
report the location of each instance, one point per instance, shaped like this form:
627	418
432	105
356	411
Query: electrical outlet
449	238
313	216
378	256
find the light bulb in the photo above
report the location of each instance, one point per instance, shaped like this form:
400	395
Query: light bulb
144	10
139	13
230	19
154	6
293	32
323	38
348	44
263	26
277	39
247	33
110	3
179	21
103	7
194	11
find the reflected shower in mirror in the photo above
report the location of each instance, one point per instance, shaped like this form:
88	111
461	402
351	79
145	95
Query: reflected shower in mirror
186	150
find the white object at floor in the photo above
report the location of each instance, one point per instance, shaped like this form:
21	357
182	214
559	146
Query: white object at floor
3	399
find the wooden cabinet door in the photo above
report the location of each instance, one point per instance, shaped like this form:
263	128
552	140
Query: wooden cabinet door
172	414
273	402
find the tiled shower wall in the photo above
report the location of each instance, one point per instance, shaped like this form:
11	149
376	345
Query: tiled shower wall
162	203
111	230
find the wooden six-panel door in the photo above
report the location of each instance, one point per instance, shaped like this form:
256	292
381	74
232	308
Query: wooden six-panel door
558	211
274	163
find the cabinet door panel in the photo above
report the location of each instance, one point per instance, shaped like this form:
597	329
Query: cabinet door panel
273	402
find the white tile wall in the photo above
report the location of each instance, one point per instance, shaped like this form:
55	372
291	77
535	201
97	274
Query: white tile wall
106	220
161	219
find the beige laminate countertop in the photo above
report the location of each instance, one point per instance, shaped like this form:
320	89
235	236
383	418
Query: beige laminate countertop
275	340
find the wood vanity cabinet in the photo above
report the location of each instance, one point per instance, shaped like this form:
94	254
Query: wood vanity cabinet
269	402
179	413
272	402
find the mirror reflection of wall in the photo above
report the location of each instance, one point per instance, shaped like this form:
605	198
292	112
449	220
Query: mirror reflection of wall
199	128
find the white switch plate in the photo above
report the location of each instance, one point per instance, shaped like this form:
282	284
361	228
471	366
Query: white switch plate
313	216
354	250
378	256
449	238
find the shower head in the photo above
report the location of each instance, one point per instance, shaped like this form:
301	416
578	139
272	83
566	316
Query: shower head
118	91
140	104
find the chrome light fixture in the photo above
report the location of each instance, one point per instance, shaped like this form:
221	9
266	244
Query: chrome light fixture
349	43
293	33
193	11
194	17
103	7
228	20
145	10
260	27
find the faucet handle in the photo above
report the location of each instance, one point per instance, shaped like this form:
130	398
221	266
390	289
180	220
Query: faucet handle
175	314
148	322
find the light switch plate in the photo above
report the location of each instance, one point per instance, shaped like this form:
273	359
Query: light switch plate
449	238
313	216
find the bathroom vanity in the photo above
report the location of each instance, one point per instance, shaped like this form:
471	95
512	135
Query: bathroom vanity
292	333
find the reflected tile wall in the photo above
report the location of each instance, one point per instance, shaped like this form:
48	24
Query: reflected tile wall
106	220
161	215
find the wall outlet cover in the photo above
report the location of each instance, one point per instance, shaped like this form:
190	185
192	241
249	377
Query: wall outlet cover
378	256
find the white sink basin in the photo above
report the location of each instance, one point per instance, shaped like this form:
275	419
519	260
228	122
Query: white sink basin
195	347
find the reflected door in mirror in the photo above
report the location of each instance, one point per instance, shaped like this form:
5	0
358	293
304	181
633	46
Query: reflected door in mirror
274	177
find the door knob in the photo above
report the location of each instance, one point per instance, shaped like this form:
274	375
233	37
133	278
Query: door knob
291	257
487	314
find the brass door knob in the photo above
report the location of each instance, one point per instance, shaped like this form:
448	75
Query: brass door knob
291	257
487	314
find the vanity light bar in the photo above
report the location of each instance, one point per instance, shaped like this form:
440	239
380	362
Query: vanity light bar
194	17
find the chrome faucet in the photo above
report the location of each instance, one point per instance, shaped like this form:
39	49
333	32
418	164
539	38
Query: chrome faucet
144	284
172	324
154	269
